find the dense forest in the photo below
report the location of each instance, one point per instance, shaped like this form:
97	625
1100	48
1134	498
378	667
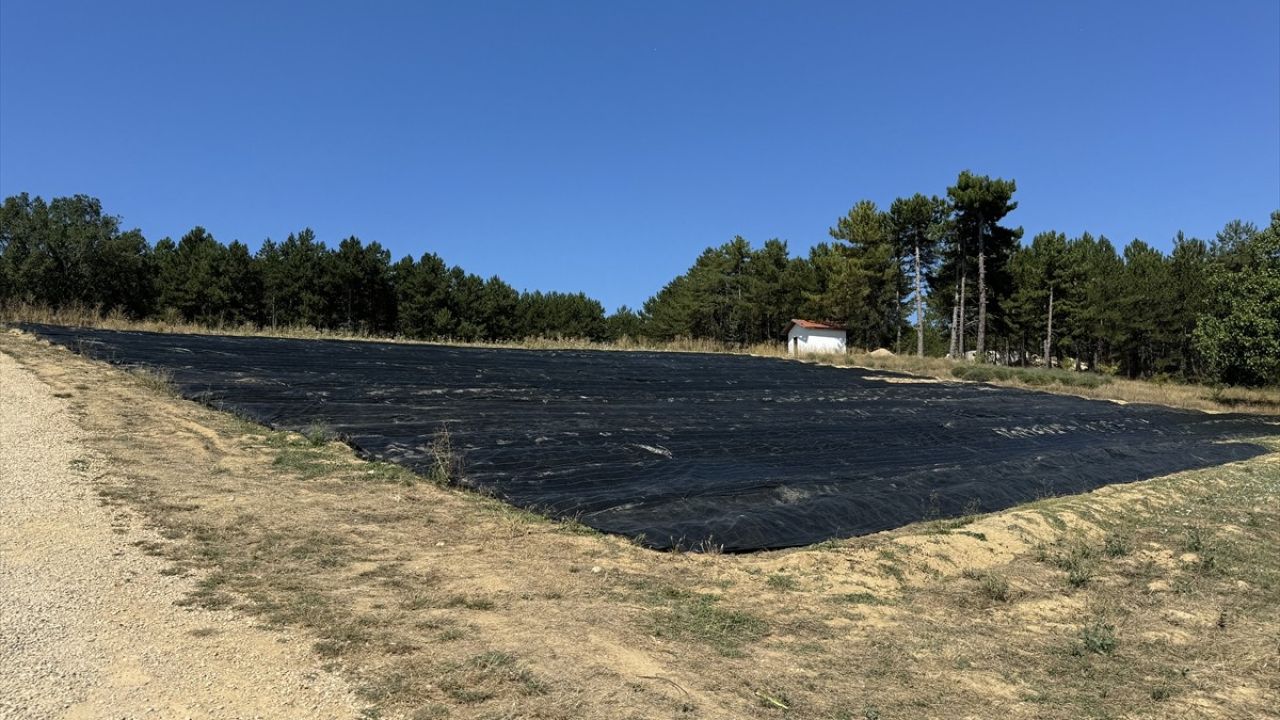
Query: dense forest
68	252
937	275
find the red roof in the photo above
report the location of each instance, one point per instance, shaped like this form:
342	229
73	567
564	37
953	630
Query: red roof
813	325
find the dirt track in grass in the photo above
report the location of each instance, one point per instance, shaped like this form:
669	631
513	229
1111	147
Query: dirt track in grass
1157	599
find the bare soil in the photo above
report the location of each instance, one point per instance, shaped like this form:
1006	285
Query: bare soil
1155	599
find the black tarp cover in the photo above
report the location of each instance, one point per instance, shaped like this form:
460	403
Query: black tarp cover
685	448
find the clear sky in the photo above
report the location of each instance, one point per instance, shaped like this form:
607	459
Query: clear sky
601	145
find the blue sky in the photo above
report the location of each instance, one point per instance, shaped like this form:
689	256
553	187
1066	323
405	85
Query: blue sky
599	146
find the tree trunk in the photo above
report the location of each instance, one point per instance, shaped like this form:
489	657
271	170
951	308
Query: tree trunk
953	348
982	294
919	309
1048	336
964	284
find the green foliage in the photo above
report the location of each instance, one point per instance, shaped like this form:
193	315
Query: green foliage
1204	312
736	294
68	252
979	203
1028	376
868	283
1099	637
1239	332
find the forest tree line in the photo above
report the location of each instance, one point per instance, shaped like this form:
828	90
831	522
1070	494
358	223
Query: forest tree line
69	252
936	275
941	275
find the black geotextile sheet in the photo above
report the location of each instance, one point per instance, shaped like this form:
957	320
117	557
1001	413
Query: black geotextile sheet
681	448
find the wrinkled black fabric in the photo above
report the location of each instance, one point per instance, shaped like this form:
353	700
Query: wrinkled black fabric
681	448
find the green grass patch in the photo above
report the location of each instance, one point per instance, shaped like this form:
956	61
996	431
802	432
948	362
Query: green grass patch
694	617
1035	377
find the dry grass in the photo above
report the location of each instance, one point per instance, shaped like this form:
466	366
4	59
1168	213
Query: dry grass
1193	397
1157	599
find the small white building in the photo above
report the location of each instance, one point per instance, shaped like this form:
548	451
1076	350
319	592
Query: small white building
807	336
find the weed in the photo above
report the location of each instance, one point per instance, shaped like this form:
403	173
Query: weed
1077	561
479	678
324	549
433	711
1116	545
451	634
692	616
328	648
306	460
208	595
995	587
1099	637
782	581
318	434
469	602
893	571
1078	577
859	598
156	380
708	546
1040	552
1207	563
446	463
1193	539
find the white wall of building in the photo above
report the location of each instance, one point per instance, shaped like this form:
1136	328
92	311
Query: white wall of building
801	341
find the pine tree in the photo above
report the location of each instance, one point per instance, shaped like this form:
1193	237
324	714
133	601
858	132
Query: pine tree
918	224
980	203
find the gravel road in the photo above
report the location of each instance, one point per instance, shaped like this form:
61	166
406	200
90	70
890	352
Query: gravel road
88	624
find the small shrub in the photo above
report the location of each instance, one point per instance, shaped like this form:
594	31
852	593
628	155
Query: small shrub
1077	561
317	434
1040	552
1078	577
1099	637
1116	545
446	464
995	587
155	379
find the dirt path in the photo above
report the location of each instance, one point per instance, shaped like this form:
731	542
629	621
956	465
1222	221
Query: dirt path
88	622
